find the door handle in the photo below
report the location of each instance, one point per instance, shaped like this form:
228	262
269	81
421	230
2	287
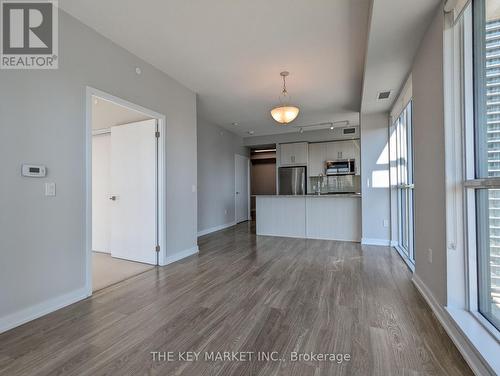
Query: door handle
112	198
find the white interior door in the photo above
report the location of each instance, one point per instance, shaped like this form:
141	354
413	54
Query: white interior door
241	188
101	205
133	191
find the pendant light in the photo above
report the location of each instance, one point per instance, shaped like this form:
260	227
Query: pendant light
285	113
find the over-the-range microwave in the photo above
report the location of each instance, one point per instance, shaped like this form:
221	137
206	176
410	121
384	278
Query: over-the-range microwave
340	167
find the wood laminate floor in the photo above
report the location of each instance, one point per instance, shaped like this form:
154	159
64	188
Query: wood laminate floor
245	293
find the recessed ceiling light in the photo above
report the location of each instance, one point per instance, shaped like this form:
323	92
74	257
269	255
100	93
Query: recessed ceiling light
332	127
138	70
250	132
235	123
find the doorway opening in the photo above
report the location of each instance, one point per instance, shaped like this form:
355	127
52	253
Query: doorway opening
125	190
262	174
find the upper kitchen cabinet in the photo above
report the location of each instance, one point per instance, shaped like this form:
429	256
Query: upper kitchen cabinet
317	158
294	154
343	150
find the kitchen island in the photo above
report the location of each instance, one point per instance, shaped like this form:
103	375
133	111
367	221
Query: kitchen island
328	216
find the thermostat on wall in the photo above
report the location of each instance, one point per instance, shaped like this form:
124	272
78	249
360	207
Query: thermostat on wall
33	171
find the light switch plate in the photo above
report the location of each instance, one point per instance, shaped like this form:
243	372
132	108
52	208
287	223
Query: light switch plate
50	189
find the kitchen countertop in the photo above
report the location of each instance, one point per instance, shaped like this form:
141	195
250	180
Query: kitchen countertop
326	195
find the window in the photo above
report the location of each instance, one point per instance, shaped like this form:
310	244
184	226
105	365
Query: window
403	133
483	175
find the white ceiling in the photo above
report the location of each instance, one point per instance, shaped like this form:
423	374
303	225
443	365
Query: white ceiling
231	52
396	30
340	53
106	114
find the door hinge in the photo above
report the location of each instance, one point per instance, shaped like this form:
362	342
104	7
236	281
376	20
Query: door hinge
157	134
157	248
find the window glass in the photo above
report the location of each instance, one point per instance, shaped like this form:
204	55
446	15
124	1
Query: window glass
487	153
488	219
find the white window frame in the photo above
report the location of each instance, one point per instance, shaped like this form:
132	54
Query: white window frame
470	183
462	292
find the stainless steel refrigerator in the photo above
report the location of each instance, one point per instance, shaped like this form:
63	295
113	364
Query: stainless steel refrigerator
292	181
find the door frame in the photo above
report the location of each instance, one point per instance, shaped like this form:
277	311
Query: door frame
236	155
161	176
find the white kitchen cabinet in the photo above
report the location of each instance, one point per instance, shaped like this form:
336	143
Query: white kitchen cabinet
344	150
350	150
333	151
317	158
294	154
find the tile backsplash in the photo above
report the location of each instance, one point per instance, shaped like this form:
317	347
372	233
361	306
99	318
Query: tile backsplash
335	184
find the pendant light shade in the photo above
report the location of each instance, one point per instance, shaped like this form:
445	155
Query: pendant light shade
285	113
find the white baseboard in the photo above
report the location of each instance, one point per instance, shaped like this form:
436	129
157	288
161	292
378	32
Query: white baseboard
459	339
372	241
216	228
41	309
180	255
394	243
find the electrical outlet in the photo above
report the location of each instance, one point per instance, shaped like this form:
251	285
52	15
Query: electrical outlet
386	223
429	256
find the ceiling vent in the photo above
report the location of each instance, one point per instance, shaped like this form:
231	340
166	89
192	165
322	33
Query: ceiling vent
384	94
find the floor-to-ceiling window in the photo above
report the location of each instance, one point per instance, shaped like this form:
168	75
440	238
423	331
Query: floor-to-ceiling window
483	176
404	183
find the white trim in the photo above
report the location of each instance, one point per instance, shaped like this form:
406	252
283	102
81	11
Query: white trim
162	218
41	309
248	187
181	255
446	318
372	241
216	228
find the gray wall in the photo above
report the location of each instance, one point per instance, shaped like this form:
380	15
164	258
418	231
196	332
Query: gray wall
216	149
42	120
428	120
375	177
